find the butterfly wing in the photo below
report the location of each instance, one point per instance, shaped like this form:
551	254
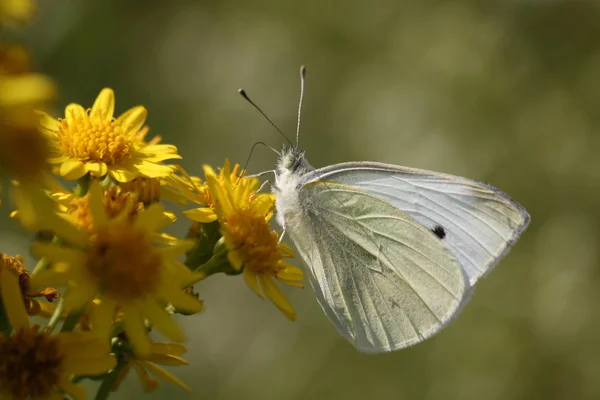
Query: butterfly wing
478	222
383	279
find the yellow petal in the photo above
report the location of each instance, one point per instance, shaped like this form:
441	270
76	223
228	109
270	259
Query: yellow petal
208	171
174	349
263	203
180	300
152	170
83	344
72	169
25	89
133	119
47	122
123	173
104	106
153	219
159	149
148	384
291	283
166	359
74	111
157	158
164	375
203	215
57	253
135	329
235	259
79	294
58	274
96	168
12	299
252	281
176	250
90	365
96	204
102	316
291	274
32	203
277	297
163	322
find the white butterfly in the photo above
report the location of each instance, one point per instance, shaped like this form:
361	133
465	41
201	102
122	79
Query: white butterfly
394	252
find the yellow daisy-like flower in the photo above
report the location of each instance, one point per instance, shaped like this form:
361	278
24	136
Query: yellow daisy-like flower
37	365
33	306
94	142
23	150
196	191
120	262
252	246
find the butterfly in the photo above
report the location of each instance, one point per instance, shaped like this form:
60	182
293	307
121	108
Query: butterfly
393	252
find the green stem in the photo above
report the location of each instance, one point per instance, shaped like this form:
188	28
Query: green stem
109	382
71	321
55	316
40	266
83	185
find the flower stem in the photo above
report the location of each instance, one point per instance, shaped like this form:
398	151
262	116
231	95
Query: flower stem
56	315
108	382
71	321
41	265
83	184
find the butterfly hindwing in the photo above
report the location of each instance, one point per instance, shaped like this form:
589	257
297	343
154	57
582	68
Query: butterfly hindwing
382	278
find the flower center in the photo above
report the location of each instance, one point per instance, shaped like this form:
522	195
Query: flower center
147	189
124	261
249	235
94	139
30	364
114	202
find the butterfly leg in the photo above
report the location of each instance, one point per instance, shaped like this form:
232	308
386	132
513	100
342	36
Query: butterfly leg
282	235
271	171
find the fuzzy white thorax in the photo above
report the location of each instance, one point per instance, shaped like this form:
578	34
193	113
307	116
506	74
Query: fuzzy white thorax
291	168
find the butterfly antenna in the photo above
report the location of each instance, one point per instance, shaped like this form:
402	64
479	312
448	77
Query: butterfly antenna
242	92
250	155
302	80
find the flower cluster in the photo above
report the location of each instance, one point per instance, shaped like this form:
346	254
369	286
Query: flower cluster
100	239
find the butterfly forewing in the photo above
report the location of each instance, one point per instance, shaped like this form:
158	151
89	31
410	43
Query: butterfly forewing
476	222
383	279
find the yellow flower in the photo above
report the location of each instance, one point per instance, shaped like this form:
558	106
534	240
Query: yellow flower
16	265
196	191
17	10
37	365
244	218
120	262
94	142
162	354
23	150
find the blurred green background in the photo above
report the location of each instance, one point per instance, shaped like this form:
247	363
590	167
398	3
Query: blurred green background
507	92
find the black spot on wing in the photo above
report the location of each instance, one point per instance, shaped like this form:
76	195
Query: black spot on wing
439	231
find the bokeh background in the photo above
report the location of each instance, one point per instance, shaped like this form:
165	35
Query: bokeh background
507	92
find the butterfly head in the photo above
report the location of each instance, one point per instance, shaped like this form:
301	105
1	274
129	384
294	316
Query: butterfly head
292	161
